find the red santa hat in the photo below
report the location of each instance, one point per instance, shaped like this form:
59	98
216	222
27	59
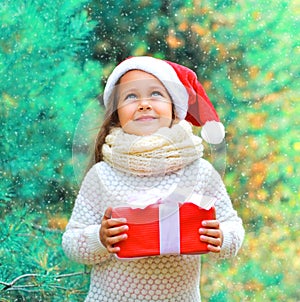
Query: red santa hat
189	97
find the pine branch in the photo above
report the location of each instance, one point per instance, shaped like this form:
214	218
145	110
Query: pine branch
70	275
8	286
45	229
12	283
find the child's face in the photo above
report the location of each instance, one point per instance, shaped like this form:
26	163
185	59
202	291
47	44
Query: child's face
144	104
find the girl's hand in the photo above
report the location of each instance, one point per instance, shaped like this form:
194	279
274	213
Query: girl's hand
110	231
211	234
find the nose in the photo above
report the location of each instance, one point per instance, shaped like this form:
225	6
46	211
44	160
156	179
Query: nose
144	105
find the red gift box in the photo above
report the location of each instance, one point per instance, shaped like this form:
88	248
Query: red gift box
161	229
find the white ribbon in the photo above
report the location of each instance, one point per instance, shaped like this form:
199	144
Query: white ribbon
169	229
169	222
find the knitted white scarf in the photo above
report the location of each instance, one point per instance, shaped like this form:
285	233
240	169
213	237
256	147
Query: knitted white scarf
167	150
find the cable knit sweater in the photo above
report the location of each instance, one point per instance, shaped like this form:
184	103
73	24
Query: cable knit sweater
161	278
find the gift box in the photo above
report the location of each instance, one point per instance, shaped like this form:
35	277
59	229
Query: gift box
161	229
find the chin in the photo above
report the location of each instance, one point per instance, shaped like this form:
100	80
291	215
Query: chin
140	132
145	128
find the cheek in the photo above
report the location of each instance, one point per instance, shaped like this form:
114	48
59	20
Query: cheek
165	110
125	114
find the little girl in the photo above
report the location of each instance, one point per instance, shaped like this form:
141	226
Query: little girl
146	147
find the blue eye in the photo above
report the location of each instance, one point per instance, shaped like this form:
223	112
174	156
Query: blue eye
156	94
130	97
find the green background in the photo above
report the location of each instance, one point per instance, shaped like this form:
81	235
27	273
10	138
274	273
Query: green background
54	59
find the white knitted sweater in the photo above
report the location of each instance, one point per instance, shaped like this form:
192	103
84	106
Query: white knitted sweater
162	278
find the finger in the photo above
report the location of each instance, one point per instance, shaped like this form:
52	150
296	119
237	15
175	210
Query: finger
108	212
111	222
213	244
113	249
110	236
114	222
214	249
111	232
211	223
210	232
114	240
211	240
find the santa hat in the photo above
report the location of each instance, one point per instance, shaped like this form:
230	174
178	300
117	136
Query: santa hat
189	97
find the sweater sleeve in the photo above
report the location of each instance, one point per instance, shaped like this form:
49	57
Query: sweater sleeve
81	241
230	223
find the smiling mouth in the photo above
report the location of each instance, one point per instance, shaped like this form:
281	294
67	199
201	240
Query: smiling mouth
145	118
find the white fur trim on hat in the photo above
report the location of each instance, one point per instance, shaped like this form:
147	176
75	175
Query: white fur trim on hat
213	132
161	70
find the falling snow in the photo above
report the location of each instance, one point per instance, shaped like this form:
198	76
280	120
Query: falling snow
55	57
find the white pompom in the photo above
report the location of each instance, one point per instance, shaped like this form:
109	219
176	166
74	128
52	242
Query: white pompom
213	132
